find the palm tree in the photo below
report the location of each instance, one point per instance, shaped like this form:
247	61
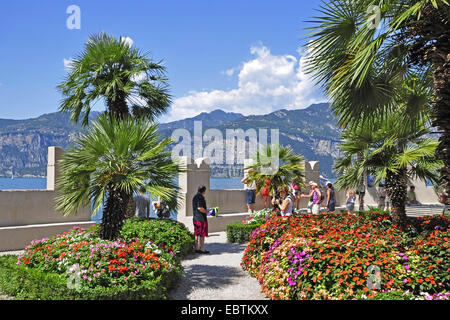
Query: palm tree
361	66
127	81
279	164
395	150
109	163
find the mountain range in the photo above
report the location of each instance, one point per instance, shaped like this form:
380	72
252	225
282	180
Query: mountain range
312	132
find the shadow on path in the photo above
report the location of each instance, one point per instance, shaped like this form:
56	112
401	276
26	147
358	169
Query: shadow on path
201	277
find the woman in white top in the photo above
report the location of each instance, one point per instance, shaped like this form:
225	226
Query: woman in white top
287	202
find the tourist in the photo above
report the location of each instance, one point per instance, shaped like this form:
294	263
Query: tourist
314	198
285	203
350	201
265	193
200	220
295	190
411	196
331	198
250	190
381	196
161	209
142	204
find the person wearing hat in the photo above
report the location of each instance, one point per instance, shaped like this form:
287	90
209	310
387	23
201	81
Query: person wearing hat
287	202
314	198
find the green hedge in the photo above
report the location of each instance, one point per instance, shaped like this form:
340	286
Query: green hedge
164	232
240	233
26	283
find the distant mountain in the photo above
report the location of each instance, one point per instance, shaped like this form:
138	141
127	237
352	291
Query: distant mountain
311	132
212	119
24	143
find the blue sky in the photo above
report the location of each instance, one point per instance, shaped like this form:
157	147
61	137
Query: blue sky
238	55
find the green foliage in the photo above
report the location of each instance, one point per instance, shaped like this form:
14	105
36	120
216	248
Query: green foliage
112	70
25	283
278	164
240	233
122	155
391	295
164	232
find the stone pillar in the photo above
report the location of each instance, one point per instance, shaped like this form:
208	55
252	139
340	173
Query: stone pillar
196	174
54	154
312	171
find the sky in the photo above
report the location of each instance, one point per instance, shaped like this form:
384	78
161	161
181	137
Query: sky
243	56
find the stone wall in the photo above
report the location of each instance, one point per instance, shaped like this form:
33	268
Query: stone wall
232	203
27	215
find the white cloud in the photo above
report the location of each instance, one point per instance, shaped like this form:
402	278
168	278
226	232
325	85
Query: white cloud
266	83
229	72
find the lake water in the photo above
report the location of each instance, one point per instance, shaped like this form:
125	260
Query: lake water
41	183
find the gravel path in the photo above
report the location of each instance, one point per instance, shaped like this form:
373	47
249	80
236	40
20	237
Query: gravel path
218	275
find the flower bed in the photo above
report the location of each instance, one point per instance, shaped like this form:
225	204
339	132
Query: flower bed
82	266
332	256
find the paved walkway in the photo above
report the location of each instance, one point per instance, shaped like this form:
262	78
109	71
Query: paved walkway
218	275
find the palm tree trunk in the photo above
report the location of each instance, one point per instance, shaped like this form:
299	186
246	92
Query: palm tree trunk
114	214
118	107
441	106
361	185
430	44
396	187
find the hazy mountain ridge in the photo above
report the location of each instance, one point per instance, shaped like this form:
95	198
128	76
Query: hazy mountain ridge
311	132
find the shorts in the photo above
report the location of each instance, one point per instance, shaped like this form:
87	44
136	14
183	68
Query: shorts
265	192
201	228
331	206
350	206
315	209
251	196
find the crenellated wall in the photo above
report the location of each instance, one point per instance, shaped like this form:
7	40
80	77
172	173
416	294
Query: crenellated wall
27	215
233	203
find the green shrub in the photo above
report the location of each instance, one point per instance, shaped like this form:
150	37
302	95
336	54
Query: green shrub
165	233
240	233
27	283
